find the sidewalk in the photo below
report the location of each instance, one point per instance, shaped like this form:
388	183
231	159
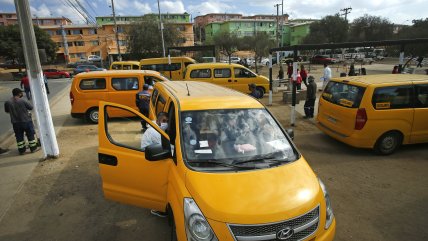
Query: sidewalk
16	169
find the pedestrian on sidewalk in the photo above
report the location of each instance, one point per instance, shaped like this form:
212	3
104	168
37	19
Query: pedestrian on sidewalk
310	98
289	70
45	79
326	77
142	101
19	111
25	83
304	75
281	72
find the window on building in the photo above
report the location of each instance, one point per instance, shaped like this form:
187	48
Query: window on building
70	44
58	32
92	31
59	44
120	29
123	42
97	53
50	32
94	43
75	32
57	22
81	55
181	28
79	43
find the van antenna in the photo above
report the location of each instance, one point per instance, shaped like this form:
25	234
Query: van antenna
188	92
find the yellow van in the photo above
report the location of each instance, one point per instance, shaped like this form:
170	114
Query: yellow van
234	76
376	111
224	168
119	86
125	65
173	71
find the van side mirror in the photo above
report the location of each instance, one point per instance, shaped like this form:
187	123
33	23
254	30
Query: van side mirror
156	152
290	133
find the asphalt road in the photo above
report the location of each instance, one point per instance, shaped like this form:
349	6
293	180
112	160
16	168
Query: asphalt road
55	86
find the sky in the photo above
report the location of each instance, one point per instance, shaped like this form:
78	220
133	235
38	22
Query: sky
396	11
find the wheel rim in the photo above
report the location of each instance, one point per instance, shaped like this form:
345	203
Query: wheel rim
388	143
94	116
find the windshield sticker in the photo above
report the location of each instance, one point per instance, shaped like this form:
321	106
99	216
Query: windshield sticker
383	105
192	142
244	148
278	144
188	120
203	143
326	95
205	151
346	102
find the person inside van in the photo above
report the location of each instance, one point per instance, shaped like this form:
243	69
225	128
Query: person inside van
151	135
142	101
149	81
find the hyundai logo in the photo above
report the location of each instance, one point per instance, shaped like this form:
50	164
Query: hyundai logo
284	233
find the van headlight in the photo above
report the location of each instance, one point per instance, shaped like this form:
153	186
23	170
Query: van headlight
329	210
197	227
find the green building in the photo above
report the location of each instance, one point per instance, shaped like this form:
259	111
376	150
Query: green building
166	17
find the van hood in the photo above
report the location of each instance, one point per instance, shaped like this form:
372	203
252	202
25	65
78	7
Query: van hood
256	196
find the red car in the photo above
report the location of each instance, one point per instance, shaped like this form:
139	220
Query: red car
322	59
54	73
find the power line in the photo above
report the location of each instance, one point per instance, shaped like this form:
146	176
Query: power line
90	6
347	11
66	4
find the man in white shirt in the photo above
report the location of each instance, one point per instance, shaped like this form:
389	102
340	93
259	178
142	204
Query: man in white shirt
326	77
151	135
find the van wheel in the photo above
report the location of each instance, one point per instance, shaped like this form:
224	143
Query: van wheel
92	115
388	143
62	76
171	223
261	90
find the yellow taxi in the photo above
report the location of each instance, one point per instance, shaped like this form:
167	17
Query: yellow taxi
173	68
234	76
222	168
376	111
125	65
119	86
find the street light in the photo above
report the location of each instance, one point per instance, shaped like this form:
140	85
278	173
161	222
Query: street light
161	28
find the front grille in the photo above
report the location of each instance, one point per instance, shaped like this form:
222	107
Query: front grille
303	227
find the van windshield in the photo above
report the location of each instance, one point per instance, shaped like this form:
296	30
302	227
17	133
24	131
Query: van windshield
343	94
233	139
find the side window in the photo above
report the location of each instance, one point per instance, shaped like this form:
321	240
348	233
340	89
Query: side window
222	73
396	97
200	73
130	83
126	67
154	96
134	66
421	96
116	67
160	104
241	73
92	84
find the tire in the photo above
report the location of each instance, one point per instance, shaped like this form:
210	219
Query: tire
261	91
62	76
388	143
171	223
92	115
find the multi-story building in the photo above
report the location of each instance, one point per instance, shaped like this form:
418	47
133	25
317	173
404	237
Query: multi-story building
12	19
8	19
296	30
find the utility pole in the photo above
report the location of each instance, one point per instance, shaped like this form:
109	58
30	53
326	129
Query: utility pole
277	23
116	32
282	22
346	12
161	29
65	44
34	71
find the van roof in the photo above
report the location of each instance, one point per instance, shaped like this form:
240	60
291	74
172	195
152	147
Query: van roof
208	65
166	58
115	73
382	79
126	62
204	96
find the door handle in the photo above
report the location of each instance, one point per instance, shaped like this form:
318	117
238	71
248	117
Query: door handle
229	80
107	159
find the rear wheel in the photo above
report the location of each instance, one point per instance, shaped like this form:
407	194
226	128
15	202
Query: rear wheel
261	91
92	115
171	223
388	143
62	76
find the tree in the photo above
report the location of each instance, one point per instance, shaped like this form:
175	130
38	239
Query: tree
11	46
260	44
145	41
227	43
370	28
330	29
419	29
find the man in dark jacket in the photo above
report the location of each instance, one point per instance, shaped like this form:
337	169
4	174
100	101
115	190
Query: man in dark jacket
20	117
143	103
310	98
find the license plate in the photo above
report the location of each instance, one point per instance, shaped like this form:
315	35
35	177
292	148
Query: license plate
331	119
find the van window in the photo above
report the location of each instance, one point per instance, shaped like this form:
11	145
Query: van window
200	73
247	137
135	67
116	67
160	104
421	96
162	67
222	73
395	97
92	84
343	94
130	83
126	67
243	73
154	96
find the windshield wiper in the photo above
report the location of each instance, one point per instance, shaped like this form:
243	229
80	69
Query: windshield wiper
215	163
268	158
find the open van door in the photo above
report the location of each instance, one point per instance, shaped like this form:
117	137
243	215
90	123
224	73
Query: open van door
127	176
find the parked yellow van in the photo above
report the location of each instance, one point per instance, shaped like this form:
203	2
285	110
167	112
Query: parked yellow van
234	76
125	65
376	111
224	169
173	71
88	89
